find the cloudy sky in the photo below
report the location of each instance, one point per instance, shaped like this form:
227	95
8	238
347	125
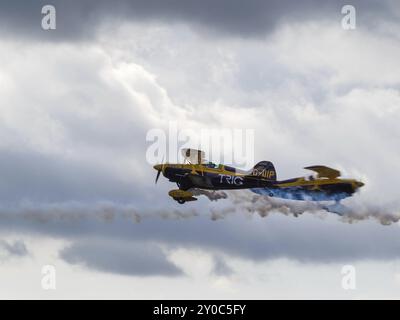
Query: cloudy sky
77	191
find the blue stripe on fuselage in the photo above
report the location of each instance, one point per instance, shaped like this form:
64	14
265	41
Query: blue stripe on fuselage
300	194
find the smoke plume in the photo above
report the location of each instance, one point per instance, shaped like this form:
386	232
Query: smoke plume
353	211
236	202
211	195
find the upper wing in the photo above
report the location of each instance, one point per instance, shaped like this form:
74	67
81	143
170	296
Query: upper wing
325	172
193	156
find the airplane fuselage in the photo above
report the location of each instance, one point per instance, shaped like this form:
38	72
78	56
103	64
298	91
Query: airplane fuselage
201	176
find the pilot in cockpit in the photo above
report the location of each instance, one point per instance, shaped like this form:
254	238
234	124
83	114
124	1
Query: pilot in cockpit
211	165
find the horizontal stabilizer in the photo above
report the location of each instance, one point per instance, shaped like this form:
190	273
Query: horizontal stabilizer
324	172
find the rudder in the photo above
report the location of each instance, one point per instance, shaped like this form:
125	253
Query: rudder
264	169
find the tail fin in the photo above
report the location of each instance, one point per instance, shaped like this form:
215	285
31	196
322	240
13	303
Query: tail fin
264	169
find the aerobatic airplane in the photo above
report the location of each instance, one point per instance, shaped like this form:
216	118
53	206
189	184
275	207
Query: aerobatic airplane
197	173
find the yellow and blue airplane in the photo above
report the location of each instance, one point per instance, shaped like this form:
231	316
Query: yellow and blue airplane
196	173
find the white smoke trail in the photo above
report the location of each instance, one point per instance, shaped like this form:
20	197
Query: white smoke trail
263	205
211	195
357	211
239	202
70	212
353	211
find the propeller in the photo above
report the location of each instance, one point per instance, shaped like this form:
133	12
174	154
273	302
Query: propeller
158	175
159	170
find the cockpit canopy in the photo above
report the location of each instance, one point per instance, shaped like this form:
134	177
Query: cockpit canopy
212	165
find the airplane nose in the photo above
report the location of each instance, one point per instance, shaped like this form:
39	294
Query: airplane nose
158	167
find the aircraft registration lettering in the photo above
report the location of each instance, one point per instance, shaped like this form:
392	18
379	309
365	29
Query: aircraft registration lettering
268	174
238	181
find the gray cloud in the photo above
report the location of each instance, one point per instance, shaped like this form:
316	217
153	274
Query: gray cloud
31	176
121	257
230	17
12	249
221	268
